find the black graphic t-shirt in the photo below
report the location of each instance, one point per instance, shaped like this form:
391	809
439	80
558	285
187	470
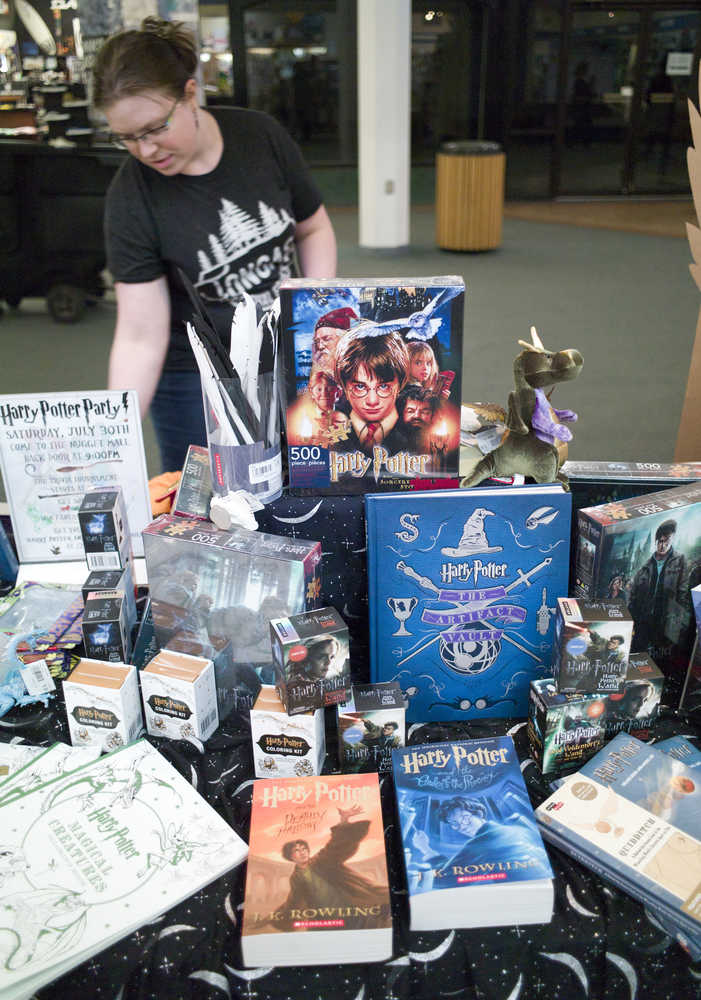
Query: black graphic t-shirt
231	230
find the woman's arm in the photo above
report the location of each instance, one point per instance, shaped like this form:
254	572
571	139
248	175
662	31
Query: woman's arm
141	338
316	245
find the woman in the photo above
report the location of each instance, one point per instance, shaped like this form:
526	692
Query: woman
223	195
616	589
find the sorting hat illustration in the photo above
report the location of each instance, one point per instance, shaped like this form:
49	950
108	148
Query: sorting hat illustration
474	539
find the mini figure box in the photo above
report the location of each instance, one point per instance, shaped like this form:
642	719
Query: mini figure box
565	730
310	655
373	382
561	734
195	486
285	746
180	696
370	725
106	634
646	551
105	529
592	644
102	704
634	709
223	587
113	579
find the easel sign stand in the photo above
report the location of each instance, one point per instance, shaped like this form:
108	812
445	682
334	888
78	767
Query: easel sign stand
689	437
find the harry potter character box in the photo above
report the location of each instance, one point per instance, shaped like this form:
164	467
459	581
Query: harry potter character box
592	643
373	382
566	729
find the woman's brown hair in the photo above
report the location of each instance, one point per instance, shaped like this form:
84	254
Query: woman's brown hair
161	55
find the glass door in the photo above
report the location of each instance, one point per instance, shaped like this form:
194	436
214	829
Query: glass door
533	118
626	127
669	79
604	48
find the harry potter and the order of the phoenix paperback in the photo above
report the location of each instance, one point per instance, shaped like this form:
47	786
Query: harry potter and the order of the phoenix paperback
472	850
463	587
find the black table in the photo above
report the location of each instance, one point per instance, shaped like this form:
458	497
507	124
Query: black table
599	944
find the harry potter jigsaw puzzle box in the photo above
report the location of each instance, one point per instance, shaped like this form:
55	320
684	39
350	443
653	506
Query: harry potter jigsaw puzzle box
646	551
373	382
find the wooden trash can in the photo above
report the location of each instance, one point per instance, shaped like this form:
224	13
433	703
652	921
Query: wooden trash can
470	180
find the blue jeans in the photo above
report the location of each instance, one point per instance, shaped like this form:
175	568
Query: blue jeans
177	413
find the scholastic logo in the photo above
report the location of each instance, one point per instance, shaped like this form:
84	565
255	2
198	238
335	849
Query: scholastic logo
494	877
319	923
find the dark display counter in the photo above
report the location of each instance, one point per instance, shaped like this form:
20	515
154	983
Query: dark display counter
51	208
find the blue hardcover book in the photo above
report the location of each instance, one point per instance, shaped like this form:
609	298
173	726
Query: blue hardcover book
633	815
472	850
650	777
681	748
462	588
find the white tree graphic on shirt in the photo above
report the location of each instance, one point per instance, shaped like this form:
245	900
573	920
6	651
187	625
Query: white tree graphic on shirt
239	233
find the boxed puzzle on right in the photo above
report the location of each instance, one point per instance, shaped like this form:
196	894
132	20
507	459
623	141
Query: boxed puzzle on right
647	552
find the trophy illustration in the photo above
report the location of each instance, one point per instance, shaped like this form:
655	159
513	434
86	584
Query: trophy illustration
401	608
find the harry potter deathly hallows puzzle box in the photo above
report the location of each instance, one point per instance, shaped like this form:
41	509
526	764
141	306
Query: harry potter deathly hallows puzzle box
646	551
373	382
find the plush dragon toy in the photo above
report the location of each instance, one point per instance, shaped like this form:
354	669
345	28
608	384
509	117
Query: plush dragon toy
535	442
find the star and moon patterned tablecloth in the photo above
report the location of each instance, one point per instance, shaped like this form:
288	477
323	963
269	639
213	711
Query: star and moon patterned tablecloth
338	522
600	944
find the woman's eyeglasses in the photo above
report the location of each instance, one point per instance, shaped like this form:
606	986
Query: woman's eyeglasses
122	141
